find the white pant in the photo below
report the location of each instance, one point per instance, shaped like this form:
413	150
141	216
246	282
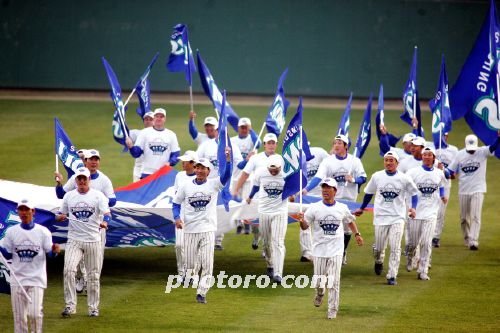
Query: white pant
92	255
393	234
441	215
199	253
329	267
179	251
81	272
471	206
306	242
24	311
420	235
273	229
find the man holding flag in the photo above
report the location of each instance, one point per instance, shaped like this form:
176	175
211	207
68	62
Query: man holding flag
147	120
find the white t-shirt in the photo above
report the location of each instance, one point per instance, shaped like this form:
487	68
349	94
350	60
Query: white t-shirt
200	204
336	168
84	213
102	183
208	150
245	145
409	163
312	167
157	147
446	156
270	189
428	183
390	193
134	134
471	169
180	179
327	222
401	153
28	248
200	138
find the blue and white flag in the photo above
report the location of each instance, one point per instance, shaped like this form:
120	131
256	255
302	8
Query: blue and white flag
142	90
224	141
379	120
411	102
345	121
293	151
365	131
475	93
440	107
119	126
181	56
65	150
275	121
4	278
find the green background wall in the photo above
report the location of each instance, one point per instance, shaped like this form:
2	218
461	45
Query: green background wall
330	47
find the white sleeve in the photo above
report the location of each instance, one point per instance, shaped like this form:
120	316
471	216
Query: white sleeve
348	217
371	187
359	171
256	181
141	138
411	188
175	143
322	170
309	215
249	168
108	189
103	203
179	195
47	240
64	205
237	158
70	184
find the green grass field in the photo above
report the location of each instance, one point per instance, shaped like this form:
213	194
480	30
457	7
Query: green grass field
462	295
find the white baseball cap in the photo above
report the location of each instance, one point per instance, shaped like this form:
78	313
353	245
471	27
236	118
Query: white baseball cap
82	172
270	137
471	142
205	162
189	156
274	161
160	111
342	138
82	151
211	121
392	154
244	122
408	137
329	181
26	203
429	148
91	153
418	141
149	114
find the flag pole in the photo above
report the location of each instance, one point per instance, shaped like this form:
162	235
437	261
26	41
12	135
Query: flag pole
129	97
260	134
122	120
191	97
4	261
300	169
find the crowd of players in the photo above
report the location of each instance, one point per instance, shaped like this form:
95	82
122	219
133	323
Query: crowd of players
411	192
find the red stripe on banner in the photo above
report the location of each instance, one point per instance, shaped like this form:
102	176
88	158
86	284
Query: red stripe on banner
160	173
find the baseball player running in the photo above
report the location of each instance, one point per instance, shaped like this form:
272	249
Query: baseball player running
199	201
327	219
26	244
390	188
83	207
134	134
470	167
430	183
273	214
385	146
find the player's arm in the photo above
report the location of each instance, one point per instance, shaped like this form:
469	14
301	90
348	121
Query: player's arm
366	200
193	131
495	144
303	223
354	228
243	178
176	206
253	192
320	174
6	254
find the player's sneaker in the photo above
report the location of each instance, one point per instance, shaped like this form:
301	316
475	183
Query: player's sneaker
409	265
277	279
344	259
93	313
391	281
67	312
270	272
81	285
201	299
247	229
423	276
305	259
473	248
435	242
255	244
239	228
379	268
218	247
332	314
318	300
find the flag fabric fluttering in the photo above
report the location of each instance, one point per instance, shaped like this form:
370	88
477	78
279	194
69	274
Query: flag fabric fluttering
4	276
65	150
440	107
365	132
293	153
119	126
224	141
181	55
142	89
345	121
411	102
474	95
379	121
275	121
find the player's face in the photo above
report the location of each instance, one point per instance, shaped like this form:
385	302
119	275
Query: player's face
25	214
328	192
211	131
92	164
274	171
390	164
188	166
202	172
243	130
428	158
407	146
270	147
416	151
148	122
159	120
339	147
82	184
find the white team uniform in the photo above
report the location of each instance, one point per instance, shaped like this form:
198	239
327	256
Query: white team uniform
273	218
134	134
446	156
327	224
421	229
181	178
28	248
200	223
401	153
157	146
471	170
200	138
84	240
245	145
390	214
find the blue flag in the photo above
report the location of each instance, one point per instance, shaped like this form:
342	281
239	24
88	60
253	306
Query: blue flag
365	131
440	107
275	121
293	153
119	126
142	89
475	93
4	279
65	150
345	121
223	142
410	99
379	120
181	56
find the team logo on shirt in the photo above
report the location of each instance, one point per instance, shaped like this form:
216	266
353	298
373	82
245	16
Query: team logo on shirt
273	189
470	166
158	147
329	224
427	189
215	162
312	169
199	201
82	211
389	193
26	251
339	176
